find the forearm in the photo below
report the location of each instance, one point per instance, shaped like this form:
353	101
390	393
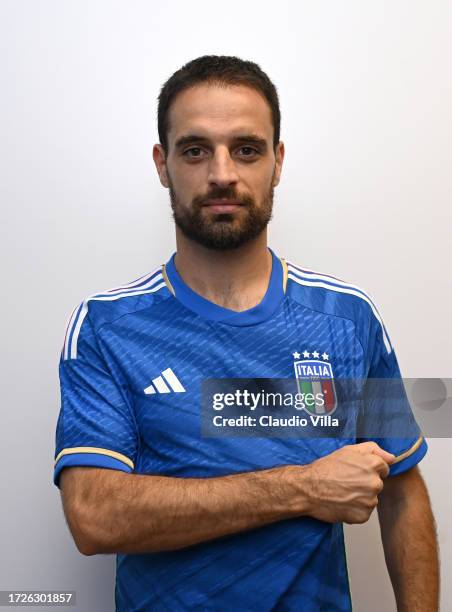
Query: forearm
410	546
131	513
114	512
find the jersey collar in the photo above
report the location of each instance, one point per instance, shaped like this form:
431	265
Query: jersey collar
209	310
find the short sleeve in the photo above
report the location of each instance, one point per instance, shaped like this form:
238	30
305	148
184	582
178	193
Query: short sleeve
393	425
96	425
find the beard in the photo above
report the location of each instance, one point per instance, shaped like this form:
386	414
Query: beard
221	231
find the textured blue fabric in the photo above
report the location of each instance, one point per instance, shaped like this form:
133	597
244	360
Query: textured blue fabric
117	347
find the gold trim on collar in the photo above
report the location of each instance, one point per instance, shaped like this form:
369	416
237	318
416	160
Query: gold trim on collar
167	280
285	272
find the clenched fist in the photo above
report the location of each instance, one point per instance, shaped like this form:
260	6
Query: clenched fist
343	486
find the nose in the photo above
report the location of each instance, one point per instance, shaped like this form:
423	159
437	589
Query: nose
222	169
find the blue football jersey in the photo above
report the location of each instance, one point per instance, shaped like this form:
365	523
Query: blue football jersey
131	372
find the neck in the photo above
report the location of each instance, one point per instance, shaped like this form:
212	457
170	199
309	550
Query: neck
235	279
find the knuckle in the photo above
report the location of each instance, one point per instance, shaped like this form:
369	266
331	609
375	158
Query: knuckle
363	517
369	503
377	462
372	445
377	484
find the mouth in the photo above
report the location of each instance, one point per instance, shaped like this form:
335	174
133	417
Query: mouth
223	206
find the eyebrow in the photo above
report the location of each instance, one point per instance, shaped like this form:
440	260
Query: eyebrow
195	138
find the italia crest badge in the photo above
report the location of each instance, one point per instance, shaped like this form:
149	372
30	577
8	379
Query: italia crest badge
314	376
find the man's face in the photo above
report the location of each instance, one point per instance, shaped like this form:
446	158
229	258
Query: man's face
220	148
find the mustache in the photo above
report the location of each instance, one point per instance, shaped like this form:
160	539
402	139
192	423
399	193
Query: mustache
223	195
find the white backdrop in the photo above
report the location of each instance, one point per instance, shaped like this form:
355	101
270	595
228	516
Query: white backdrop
366	97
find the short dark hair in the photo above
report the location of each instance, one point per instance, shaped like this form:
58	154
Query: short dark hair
216	70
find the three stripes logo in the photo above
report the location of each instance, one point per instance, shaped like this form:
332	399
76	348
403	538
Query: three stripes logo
167	382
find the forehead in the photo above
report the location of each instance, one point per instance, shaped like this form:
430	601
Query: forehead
217	111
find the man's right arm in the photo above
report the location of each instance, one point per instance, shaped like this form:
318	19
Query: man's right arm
109	511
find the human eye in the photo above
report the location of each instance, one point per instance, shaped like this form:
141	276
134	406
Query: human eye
186	153
252	151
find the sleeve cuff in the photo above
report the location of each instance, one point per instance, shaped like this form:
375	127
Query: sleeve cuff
409	459
91	458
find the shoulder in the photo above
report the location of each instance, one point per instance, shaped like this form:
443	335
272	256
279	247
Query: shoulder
109	305
330	295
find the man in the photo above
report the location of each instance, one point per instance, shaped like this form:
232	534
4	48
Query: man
228	523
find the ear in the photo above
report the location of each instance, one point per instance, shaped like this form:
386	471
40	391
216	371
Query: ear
158	155
279	155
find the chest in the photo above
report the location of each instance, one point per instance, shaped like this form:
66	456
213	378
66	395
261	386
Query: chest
166	365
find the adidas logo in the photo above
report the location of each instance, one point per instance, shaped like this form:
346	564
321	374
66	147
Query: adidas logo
165	383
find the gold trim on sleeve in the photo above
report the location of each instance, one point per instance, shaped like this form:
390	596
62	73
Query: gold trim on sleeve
98	451
410	451
285	272
167	281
